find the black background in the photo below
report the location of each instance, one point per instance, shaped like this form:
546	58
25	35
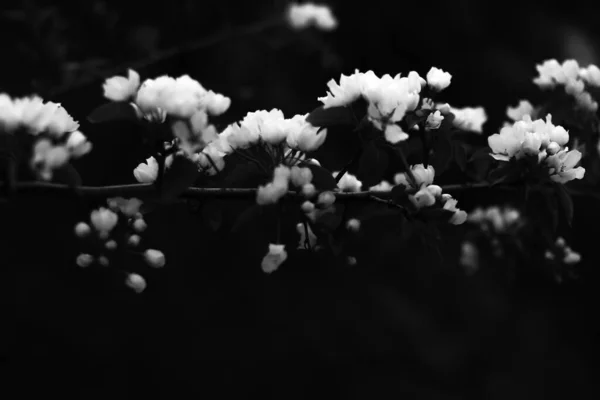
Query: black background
211	324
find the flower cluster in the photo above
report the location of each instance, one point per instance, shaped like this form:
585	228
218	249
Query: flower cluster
278	187
542	140
178	97
574	79
55	132
301	16
423	193
272	129
494	222
562	253
105	236
389	98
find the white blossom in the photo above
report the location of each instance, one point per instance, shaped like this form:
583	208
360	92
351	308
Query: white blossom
590	75
84	260
469	118
434	120
383	186
517	113
303	136
348	182
562	166
120	88
276	189
437	79
104	220
301	16
146	172
274	258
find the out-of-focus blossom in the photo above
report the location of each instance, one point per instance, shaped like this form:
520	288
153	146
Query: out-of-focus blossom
348	182
274	258
517	113
154	258
276	189
104	220
301	16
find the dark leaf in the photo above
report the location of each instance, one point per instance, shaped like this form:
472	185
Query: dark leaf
565	200
113	111
436	214
178	177
506	172
372	165
325	117
245	174
460	155
68	175
442	152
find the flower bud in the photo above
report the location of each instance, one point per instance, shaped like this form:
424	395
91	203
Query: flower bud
154	258
309	190
103	261
139	225
134	240
82	229
326	199
308	207
136	282
111	245
351	261
353	225
84	260
553	148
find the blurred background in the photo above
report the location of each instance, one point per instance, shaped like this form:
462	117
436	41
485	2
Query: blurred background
211	324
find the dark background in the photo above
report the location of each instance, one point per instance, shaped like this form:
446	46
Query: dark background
212	324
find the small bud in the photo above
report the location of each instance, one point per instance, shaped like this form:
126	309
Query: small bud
134	240
553	148
139	225
308	207
326	199
111	245
560	242
82	229
136	282
154	258
353	225
308	190
351	261
84	260
103	261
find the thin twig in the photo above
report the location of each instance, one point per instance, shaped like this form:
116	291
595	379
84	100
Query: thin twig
146	189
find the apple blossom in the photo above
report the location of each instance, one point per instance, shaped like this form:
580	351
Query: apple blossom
274	258
104	220
120	88
437	79
434	120
590	75
383	186
517	113
77	144
469	118
301	16
348	183
146	172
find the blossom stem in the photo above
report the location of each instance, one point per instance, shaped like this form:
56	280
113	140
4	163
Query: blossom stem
407	167
341	174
